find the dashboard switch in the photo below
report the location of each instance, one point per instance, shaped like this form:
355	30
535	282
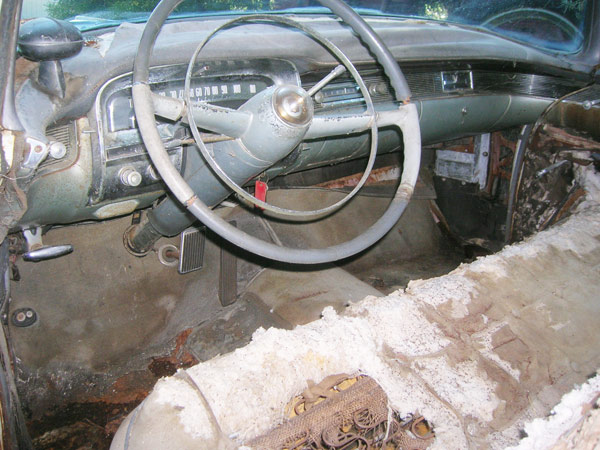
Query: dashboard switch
130	177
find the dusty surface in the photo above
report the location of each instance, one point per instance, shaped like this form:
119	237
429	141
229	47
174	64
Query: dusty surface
299	297
94	317
573	423
109	324
479	352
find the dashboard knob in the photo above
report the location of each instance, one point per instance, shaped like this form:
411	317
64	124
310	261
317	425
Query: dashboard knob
378	89
152	174
130	177
57	150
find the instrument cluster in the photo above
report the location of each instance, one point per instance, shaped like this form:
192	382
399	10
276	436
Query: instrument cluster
122	165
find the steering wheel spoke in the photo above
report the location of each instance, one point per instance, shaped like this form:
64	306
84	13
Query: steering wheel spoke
394	117
221	120
168	107
335	125
218	119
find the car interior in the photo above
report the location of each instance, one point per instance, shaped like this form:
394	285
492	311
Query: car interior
177	175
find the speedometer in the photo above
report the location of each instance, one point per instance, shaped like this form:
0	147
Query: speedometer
229	91
217	89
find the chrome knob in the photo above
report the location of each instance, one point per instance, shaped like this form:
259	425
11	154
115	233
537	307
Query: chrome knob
130	177
57	150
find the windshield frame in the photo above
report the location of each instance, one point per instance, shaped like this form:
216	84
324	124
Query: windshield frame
588	46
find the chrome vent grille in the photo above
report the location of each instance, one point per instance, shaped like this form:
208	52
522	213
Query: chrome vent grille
526	84
63	134
425	84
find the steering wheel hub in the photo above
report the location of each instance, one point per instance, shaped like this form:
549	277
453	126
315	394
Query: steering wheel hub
293	105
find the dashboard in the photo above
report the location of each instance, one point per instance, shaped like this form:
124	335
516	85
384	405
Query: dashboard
456	95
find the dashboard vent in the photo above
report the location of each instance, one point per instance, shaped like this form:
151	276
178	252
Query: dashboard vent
63	134
344	92
424	84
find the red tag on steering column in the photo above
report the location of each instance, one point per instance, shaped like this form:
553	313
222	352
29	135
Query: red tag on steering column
260	191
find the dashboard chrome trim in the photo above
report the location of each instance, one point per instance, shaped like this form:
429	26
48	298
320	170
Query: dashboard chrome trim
429	83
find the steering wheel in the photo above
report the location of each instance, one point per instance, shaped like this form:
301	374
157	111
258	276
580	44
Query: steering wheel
271	124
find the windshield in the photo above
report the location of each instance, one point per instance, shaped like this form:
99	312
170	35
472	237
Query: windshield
556	25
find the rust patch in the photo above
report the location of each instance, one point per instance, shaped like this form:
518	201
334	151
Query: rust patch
91	43
502	151
162	367
92	421
80	426
130	388
179	358
383	174
464	145
72	436
190	201
23	68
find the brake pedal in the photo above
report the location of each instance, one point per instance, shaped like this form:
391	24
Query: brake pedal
191	255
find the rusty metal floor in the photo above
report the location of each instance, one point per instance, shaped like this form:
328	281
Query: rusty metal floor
478	352
109	324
